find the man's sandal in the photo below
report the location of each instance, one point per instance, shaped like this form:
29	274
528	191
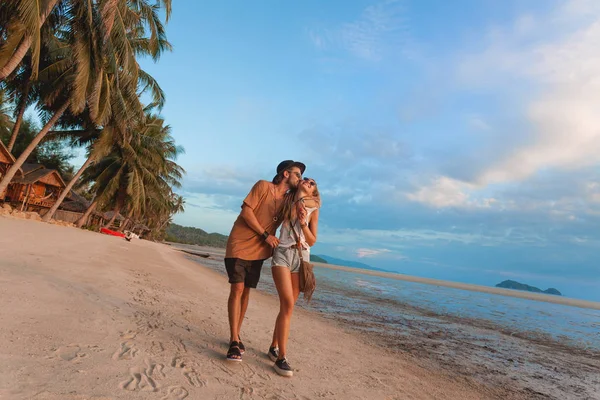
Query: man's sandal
234	354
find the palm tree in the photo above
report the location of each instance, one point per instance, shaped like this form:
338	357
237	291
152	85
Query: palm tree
145	82
5	110
21	88
137	174
89	69
23	20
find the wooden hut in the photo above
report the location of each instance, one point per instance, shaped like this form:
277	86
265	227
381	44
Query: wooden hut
37	189
6	161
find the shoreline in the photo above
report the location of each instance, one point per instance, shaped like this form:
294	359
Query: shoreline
548	298
91	316
491	352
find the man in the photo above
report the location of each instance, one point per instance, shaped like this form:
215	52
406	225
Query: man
251	242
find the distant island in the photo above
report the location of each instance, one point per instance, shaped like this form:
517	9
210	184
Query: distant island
319	259
346	263
508	284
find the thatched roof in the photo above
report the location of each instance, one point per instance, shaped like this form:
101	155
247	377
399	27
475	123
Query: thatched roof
78	198
109	214
38	174
75	202
141	227
8	157
74	206
30	167
6	153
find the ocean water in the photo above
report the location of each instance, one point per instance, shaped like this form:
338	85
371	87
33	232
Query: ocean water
401	308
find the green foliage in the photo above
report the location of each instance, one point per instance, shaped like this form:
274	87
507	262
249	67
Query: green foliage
52	154
315	258
5	119
188	235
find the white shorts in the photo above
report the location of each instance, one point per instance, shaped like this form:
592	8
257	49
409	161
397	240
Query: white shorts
288	257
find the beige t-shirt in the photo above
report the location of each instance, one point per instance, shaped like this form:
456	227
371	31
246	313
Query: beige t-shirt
243	241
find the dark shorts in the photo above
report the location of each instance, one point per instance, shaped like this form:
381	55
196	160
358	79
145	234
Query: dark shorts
247	271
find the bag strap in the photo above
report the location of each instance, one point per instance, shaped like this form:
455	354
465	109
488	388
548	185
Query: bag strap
298	242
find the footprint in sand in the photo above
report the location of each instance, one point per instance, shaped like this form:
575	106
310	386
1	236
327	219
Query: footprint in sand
72	352
126	351
139	380
156	348
153	369
179	346
190	374
175	393
128	334
144	378
193	378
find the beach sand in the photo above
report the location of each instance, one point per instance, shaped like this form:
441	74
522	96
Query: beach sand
88	316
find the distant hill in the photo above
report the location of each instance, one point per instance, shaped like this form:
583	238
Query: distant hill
315	258
347	263
188	235
508	284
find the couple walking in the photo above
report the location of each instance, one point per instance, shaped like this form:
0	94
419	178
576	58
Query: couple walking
292	202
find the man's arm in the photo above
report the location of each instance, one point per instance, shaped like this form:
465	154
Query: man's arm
248	215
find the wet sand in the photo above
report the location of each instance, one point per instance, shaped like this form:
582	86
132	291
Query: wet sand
528	363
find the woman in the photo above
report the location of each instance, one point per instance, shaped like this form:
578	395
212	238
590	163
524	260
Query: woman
301	219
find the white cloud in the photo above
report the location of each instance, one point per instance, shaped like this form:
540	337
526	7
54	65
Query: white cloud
547	66
556	58
397	240
447	192
478	123
380	31
365	253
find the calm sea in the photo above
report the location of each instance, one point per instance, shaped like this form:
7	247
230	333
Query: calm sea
371	301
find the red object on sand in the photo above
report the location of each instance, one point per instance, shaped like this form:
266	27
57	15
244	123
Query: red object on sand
109	232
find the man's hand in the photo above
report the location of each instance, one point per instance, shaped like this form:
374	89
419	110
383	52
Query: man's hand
272	241
302	215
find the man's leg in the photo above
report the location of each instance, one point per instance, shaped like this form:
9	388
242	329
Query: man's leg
234	308
250	282
243	307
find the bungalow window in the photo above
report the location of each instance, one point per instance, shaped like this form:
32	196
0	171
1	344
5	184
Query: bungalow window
49	191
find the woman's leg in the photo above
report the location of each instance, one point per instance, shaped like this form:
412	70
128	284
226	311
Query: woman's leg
283	282
296	292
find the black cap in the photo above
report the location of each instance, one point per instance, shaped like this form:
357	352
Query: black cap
287	164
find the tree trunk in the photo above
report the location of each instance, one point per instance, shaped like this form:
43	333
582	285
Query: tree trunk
67	189
83	220
126	222
26	198
124	225
24	46
21	160
17	126
16	58
112	220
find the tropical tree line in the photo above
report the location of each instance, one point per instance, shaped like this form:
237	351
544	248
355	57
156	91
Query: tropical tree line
77	63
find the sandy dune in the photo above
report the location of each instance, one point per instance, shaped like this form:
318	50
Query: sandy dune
87	316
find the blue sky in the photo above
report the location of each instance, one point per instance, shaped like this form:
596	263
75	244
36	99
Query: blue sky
456	140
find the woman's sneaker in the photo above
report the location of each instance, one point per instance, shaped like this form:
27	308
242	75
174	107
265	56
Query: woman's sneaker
273	353
283	368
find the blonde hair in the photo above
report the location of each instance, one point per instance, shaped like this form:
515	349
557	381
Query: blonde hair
288	211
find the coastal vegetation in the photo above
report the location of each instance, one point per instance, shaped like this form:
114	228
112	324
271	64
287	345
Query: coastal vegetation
77	63
188	235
